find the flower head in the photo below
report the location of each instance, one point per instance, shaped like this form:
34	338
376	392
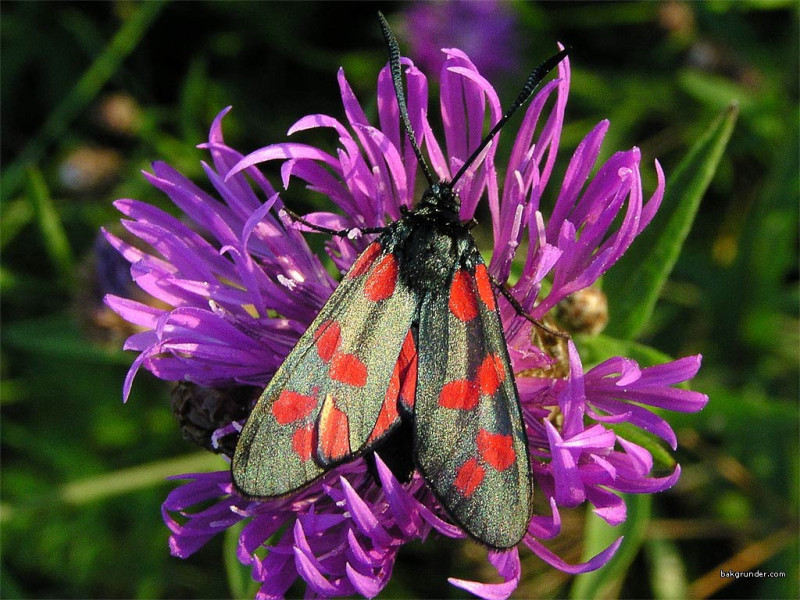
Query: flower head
239	296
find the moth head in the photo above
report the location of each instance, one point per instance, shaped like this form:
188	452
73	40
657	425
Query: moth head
442	191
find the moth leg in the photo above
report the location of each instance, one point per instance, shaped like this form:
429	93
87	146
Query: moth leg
337	232
521	311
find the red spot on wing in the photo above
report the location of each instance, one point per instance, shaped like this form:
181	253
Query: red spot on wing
463	303
408	371
403	382
364	260
388	414
348	369
334	431
485	290
461	394
491	374
291	407
329	336
470	475
381	282
303	442
496	449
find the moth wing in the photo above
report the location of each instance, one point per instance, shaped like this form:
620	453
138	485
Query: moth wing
323	404
469	437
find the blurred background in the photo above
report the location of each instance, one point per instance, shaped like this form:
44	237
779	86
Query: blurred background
93	92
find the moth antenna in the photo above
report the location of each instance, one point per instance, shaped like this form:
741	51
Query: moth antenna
397	79
533	81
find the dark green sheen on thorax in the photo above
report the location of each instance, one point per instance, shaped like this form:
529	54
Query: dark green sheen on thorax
429	240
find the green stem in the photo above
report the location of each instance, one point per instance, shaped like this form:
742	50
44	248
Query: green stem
124	481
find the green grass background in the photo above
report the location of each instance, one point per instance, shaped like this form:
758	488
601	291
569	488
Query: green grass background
83	476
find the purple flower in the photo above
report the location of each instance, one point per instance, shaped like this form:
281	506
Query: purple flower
240	294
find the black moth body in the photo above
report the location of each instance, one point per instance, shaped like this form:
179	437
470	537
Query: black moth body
410	340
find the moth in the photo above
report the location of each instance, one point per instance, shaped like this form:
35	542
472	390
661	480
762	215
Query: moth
410	340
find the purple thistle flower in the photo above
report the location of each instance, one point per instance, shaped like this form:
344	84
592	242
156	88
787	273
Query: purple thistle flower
241	294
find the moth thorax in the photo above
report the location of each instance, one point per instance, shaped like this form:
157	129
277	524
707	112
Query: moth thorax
429	256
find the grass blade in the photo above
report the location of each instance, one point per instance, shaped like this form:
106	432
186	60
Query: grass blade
666	233
16	215
53	234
